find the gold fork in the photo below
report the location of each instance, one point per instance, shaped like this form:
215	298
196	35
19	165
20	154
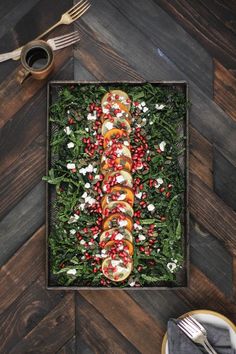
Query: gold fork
66	19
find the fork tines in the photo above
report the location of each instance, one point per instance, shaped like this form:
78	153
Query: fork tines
66	40
79	9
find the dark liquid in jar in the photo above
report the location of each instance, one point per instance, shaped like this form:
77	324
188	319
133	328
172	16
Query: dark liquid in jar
37	58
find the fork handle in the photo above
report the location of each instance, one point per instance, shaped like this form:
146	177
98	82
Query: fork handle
208	349
209	346
17	57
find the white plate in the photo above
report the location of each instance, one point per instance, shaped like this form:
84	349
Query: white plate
210	317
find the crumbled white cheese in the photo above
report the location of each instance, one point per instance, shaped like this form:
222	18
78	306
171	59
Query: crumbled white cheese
121	197
145	109
71	272
81	206
73	219
83	171
137	226
109	125
70	145
119	115
122	223
120	269
120	179
132	283
119	236
70	166
84	195
82	242
151	207
159	106
139	195
91	116
126	143
159	182
162	145
72	232
119	152
89	168
87	185
171	266
67	130
143	104
115	262
141	237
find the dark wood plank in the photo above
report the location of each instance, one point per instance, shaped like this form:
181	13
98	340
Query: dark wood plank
169	39
22	269
52	332
68	347
15	228
26	312
126	40
213	31
209	255
25	173
225	89
28	166
100	58
160	304
148	32
224	178
100	336
28	123
202	293
128	318
201	157
209	210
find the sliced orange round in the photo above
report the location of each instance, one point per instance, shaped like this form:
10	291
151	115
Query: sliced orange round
123	161
117	150
114	244
122	177
115	269
118	192
116	234
118	123
117	135
122	97
118	207
118	220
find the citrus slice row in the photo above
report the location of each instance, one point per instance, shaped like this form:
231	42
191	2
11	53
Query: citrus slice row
116	165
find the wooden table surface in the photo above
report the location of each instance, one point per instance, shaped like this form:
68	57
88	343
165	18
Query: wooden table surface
121	40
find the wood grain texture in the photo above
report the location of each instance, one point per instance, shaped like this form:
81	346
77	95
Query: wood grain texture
224	178
68	347
121	40
130	320
201	157
15	227
44	337
225	89
25	313
101	336
22	269
212	212
212	23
